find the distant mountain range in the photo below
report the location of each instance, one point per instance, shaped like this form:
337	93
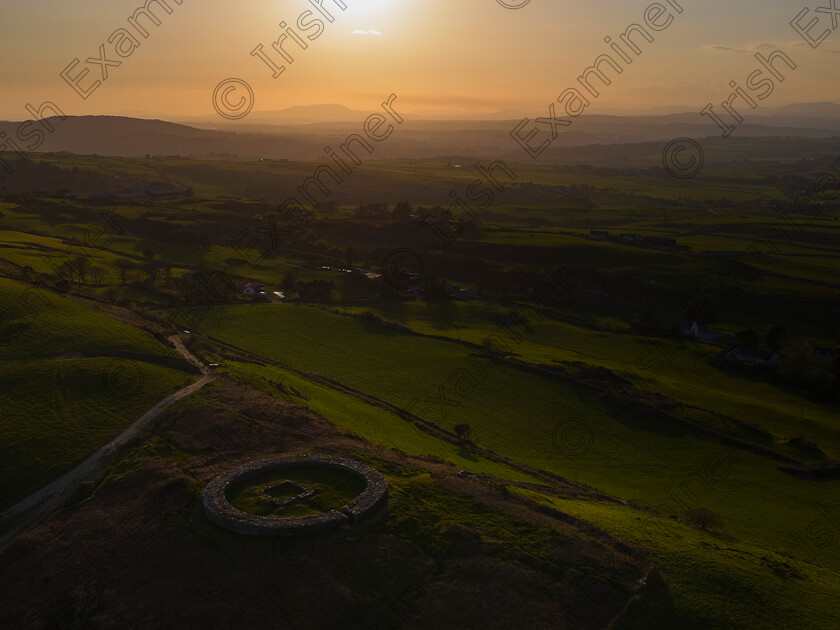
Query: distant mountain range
326	113
300	133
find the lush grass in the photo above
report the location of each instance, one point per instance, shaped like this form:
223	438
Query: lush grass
679	370
718	582
46	255
71	379
373	423
37	324
538	420
55	413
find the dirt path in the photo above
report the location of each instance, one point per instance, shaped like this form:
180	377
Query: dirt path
36	506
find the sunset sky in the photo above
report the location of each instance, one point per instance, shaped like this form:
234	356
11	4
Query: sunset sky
471	56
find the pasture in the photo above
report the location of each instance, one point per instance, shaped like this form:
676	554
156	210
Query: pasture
536	419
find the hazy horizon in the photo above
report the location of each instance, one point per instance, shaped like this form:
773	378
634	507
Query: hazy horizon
422	115
494	58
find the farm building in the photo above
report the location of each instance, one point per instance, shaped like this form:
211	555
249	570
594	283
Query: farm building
253	288
753	357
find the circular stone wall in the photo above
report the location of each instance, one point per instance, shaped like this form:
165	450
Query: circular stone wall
289	495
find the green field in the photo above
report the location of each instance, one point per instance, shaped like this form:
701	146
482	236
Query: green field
520	415
674	368
368	421
718	582
57	412
40	325
71	379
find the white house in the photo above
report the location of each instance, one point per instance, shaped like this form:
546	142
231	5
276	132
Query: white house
690	327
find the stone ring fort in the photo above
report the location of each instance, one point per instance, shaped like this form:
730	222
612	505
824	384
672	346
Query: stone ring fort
290	495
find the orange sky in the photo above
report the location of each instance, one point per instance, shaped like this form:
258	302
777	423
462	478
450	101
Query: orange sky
472	56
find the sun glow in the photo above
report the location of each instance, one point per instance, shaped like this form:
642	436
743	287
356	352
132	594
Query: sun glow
370	5
373	13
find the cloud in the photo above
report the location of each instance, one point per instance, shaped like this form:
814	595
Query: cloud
755	47
725	48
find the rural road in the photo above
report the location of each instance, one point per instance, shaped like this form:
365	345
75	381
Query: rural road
39	504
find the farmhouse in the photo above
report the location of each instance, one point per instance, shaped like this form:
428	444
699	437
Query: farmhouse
252	288
693	329
454	291
627	238
367	273
753	357
689	327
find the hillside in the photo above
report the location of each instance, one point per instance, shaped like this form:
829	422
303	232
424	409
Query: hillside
276	138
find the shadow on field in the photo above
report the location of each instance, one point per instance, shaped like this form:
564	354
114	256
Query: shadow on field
466	454
631	414
376	325
443	313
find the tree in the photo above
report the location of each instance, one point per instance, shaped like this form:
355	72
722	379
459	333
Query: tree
66	271
747	338
124	266
703	517
150	265
97	275
81	264
402	210
776	337
464	432
289	284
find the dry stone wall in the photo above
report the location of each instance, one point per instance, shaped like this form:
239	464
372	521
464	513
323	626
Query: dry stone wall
222	513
